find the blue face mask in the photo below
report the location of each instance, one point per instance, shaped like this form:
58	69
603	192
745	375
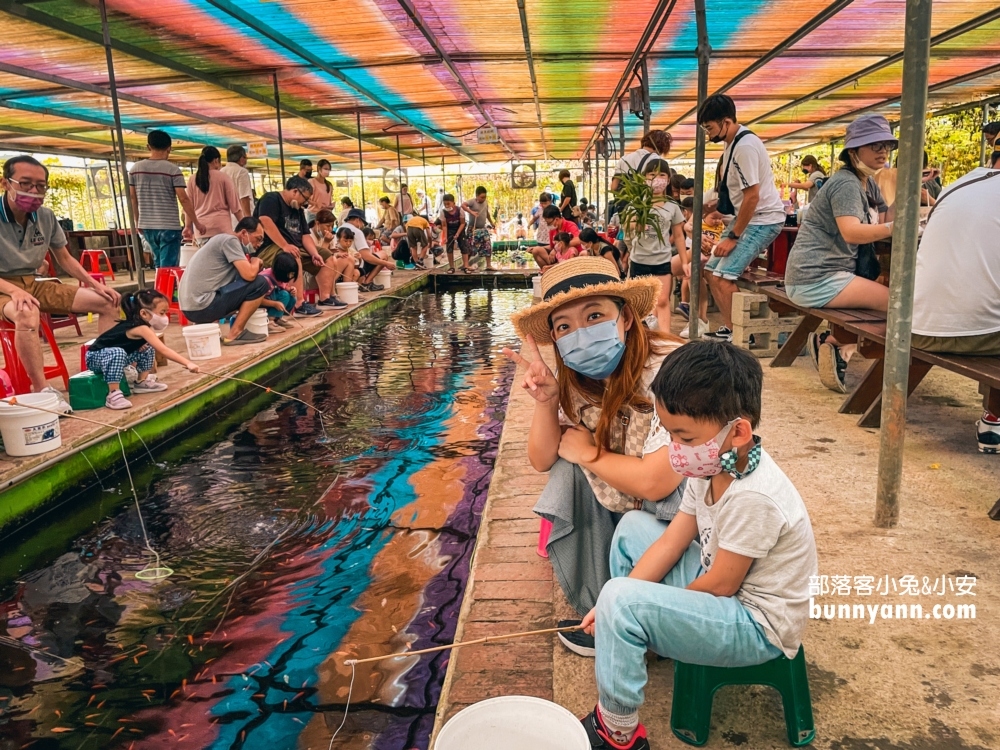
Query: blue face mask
594	351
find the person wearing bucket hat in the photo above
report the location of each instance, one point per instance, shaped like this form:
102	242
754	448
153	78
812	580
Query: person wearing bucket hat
827	265
594	429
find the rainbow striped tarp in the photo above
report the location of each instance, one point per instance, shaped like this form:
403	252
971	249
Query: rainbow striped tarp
439	74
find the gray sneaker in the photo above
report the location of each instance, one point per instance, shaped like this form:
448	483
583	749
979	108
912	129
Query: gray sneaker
247	337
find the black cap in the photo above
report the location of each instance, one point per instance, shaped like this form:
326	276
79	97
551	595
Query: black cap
357	213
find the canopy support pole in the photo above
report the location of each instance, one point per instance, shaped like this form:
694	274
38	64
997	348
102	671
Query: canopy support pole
704	52
647	112
621	125
423	160
361	158
399	173
982	141
122	159
281	141
913	111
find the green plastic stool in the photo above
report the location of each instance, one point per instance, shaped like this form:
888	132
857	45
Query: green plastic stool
695	686
88	390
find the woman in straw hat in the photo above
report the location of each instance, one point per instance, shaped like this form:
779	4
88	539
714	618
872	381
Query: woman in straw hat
594	427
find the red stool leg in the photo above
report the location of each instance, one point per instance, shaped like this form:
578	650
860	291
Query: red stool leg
12	363
59	368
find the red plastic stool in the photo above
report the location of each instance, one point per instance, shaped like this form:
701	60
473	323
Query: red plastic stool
84	348
12	363
544	529
91	262
311	295
52	266
63	321
168	281
99	278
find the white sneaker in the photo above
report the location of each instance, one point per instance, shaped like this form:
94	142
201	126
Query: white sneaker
685	332
116	400
62	406
651	322
149	385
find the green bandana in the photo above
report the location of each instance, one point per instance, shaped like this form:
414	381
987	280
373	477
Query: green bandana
730	458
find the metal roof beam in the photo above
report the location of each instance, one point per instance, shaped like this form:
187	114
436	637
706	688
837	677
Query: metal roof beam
650	34
248	20
32	133
216	79
432	40
797	36
941	38
21	148
530	58
139	100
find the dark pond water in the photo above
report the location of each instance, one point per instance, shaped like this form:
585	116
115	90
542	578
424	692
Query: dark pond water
291	554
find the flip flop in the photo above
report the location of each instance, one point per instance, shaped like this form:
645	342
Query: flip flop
451	270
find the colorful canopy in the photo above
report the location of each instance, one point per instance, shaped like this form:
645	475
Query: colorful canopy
440	75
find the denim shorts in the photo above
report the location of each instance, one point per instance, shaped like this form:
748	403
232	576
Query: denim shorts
819	293
750	245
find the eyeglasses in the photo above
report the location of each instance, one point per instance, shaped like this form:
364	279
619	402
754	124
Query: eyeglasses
885	146
27	186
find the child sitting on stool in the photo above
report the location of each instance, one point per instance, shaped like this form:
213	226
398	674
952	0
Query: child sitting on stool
280	301
726	583
133	341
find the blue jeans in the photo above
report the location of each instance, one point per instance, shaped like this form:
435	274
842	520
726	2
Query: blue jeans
689	626
750	245
165	245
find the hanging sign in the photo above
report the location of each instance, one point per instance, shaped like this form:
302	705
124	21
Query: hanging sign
257	150
487	134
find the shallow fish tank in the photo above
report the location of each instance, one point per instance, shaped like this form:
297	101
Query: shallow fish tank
297	540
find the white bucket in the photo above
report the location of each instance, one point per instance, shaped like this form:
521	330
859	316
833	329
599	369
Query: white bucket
203	341
348	291
258	322
536	286
513	722
384	278
187	253
27	431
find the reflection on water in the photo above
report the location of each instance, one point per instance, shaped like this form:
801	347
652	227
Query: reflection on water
291	554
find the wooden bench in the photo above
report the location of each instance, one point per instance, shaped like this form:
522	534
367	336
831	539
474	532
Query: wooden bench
867	329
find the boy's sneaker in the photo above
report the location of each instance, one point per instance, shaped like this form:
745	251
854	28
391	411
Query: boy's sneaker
576	640
149	385
332	301
62	406
116	400
832	368
686	331
722	334
988	435
816	340
685	311
308	310
600	736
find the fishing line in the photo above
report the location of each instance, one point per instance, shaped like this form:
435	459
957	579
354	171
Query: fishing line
350	691
315	342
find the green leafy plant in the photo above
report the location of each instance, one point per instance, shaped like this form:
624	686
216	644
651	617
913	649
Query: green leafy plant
638	203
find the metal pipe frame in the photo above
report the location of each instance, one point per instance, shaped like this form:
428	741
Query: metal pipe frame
122	158
361	159
910	162
281	142
704	50
530	58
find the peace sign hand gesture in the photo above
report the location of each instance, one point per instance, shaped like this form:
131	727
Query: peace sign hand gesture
539	381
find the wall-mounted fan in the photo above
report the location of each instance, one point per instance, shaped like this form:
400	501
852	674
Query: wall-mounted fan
392	179
522	176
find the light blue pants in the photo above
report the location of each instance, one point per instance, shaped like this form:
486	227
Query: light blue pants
688	626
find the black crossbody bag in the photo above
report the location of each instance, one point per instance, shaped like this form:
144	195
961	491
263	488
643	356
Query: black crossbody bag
726	206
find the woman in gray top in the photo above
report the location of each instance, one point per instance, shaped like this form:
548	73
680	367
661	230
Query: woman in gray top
848	211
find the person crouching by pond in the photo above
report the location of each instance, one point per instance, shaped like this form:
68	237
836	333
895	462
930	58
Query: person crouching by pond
594	427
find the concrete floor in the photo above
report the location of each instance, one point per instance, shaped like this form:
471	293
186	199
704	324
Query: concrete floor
928	684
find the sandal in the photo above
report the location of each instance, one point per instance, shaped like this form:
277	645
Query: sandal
451	270
467	269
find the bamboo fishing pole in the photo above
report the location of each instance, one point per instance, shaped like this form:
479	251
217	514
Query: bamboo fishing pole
477	642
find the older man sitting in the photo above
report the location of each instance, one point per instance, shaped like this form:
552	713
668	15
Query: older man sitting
28	230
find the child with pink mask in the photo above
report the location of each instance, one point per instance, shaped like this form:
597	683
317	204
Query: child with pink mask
726	582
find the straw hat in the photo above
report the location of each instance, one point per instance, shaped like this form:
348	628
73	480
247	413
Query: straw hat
583	276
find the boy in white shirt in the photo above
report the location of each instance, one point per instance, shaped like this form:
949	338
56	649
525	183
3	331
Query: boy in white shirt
726	582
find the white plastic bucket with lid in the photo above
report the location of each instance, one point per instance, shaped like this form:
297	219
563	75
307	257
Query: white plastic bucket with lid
258	322
187	253
536	286
384	278
348	291
27	431
203	341
513	722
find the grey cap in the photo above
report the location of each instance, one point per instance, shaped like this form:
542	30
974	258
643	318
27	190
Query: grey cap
356	213
866	130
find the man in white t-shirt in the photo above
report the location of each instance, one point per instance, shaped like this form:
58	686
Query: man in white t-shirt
956	296
236	162
748	183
